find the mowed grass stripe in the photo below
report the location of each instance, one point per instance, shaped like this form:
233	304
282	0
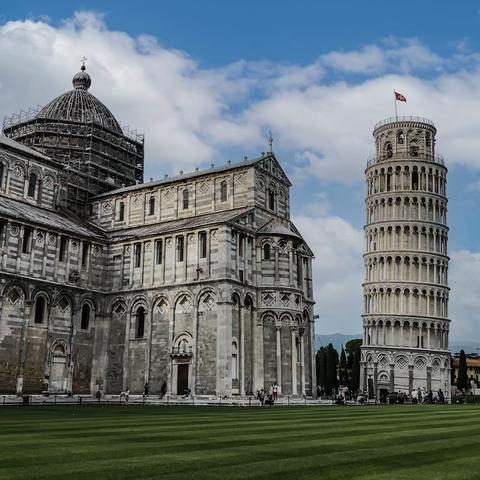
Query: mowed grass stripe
229	443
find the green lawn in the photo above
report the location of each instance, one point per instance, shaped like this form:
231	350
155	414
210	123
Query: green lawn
117	442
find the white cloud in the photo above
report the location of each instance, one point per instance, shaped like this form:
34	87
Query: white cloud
322	124
464	302
191	115
338	271
396	55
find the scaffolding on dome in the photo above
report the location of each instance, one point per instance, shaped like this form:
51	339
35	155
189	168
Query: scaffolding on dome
96	158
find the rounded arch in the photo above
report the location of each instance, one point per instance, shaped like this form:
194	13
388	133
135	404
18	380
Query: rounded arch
139	300
286	319
206	299
64	297
249	301
60	347
160	303
268	318
23	286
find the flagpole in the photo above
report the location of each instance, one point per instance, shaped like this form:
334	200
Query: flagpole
395	103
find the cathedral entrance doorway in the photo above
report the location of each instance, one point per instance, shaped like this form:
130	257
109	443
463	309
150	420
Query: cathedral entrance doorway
58	371
182	378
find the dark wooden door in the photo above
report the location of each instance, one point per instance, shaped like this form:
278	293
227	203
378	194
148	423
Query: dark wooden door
182	378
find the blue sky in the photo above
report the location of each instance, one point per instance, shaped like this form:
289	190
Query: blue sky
205	81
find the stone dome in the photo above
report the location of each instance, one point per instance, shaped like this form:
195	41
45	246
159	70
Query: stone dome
78	105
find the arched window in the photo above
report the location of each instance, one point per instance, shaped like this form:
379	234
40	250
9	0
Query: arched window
389	150
151	206
85	323
40	305
266	251
2	171
271	199
32	185
185	199
428	140
413	148
140	323
121	211
223	191
400	137
415	180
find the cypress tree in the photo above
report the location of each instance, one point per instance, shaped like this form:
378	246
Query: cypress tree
353	350
355	379
462	380
342	368
321	363
331	370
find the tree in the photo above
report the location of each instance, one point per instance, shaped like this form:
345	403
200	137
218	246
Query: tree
321	365
355	375
354	354
462	379
342	369
331	380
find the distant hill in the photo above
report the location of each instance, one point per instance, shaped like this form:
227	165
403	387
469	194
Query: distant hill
336	339
468	346
339	339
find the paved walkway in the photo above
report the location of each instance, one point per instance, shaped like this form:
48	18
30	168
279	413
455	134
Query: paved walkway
155	400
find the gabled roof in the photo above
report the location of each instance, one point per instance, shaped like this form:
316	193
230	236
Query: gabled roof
191	175
34	215
10	144
273	227
183	224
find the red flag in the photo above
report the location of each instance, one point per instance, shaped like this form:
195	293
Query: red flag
399	97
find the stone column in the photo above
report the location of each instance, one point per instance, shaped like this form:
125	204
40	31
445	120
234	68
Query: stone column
242	350
302	363
375	379
258	380
279	359
429	378
196	315
294	362
410	379
392	377
364	382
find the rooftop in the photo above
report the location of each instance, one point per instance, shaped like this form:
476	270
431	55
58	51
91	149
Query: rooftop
182	176
48	218
184	223
396	119
13	145
79	105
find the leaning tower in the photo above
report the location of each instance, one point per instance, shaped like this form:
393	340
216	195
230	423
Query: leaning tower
405	321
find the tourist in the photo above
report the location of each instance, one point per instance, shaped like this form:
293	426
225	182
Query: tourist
419	396
146	390
261	396
163	390
275	392
127	395
441	397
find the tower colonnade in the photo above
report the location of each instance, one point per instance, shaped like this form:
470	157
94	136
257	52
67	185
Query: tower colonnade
405	320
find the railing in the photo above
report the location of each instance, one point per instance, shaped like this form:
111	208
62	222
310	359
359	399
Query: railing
426	157
25	116
403	119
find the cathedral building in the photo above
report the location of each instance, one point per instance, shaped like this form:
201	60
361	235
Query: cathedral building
198	281
405	321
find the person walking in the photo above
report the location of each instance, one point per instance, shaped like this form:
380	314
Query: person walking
127	395
146	390
275	392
